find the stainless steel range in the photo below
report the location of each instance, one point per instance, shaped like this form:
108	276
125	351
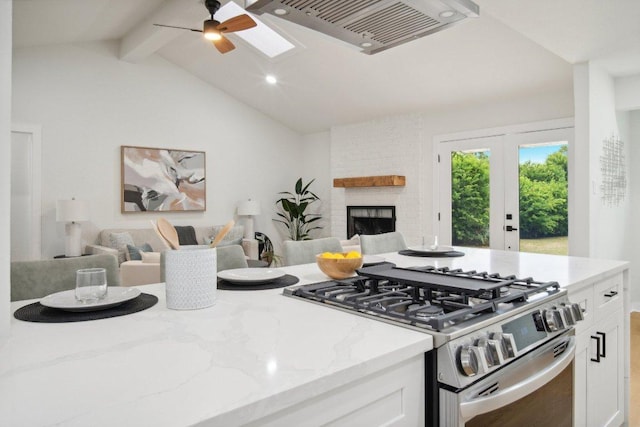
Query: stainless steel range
499	341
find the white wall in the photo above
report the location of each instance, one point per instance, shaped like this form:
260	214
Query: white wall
609	224
628	93
634	230
5	162
89	104
597	118
315	165
403	145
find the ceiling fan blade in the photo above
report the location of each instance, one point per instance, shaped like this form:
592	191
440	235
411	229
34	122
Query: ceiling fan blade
179	28
223	45
237	23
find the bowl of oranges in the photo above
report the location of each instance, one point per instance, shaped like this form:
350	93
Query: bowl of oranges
339	265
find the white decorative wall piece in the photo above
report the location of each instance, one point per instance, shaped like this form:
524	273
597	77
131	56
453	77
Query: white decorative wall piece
614	174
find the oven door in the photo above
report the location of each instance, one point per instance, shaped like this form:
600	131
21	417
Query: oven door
536	389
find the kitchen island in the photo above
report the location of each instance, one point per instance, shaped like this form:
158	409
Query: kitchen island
254	358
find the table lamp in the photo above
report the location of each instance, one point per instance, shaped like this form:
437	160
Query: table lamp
72	212
249	208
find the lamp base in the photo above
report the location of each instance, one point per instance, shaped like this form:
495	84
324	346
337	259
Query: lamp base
248	228
73	242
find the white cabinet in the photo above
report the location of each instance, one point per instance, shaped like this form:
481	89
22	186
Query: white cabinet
393	397
599	364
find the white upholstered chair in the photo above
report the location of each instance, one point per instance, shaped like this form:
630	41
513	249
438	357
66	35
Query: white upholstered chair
305	251
37	279
381	243
229	257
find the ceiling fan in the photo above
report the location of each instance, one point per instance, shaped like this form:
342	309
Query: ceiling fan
213	30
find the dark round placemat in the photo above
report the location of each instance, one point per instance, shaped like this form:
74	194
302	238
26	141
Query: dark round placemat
409	252
37	312
280	282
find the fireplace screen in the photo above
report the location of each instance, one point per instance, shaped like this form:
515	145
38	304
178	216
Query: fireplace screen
370	220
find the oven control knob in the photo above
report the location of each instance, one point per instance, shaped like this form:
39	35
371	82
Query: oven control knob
469	359
577	311
567	315
505	343
553	320
491	350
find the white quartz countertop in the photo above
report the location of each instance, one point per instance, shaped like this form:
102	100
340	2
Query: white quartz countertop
252	354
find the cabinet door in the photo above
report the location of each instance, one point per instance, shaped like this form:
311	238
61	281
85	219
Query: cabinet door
605	376
580	372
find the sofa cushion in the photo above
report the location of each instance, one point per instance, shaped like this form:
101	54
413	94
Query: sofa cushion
223	242
120	241
149	235
139	235
186	235
133	252
150	257
233	237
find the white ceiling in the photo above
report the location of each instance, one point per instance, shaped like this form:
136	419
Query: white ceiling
516	48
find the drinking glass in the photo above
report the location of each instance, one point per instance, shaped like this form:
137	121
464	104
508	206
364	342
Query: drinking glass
430	241
91	284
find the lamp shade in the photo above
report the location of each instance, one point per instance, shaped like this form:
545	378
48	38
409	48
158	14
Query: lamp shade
72	211
249	208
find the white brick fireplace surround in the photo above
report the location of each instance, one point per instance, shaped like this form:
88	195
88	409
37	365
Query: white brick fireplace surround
382	147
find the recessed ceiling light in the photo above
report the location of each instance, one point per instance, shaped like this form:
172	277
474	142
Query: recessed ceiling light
271	79
281	11
366	44
447	14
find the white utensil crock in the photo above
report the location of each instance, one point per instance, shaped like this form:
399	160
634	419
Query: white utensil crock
190	275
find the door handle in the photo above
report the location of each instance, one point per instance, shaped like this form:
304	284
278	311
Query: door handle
604	343
598	348
510	228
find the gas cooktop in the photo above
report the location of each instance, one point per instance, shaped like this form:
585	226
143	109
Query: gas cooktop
440	301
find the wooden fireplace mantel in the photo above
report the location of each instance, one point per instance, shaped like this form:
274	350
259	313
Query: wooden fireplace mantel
370	181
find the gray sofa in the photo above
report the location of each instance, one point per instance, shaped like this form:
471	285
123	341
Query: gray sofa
140	272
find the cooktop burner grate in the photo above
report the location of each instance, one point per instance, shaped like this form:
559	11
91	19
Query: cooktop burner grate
430	297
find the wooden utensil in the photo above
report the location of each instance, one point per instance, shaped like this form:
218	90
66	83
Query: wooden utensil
222	233
155	228
169	233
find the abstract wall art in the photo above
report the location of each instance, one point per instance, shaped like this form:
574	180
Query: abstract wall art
162	180
614	175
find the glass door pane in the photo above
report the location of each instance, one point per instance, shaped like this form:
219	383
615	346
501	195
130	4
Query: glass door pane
470	198
470	188
543	198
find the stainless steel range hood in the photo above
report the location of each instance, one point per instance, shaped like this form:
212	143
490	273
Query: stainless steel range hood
371	25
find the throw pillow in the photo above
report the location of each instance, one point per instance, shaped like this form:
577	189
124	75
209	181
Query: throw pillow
223	242
133	252
186	235
150	257
120	241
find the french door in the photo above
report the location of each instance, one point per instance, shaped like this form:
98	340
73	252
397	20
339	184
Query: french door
505	191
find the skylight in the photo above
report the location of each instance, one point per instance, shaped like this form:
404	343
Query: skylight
261	37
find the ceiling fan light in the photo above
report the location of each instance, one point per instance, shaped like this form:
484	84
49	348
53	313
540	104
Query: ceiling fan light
210	30
213	36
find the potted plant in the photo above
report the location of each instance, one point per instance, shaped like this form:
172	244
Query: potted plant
292	211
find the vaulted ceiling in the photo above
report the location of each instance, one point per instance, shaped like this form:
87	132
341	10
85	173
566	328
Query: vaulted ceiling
515	48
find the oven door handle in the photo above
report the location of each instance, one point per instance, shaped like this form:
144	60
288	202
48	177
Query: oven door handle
517	391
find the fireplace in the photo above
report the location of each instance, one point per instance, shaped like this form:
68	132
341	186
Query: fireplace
370	220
